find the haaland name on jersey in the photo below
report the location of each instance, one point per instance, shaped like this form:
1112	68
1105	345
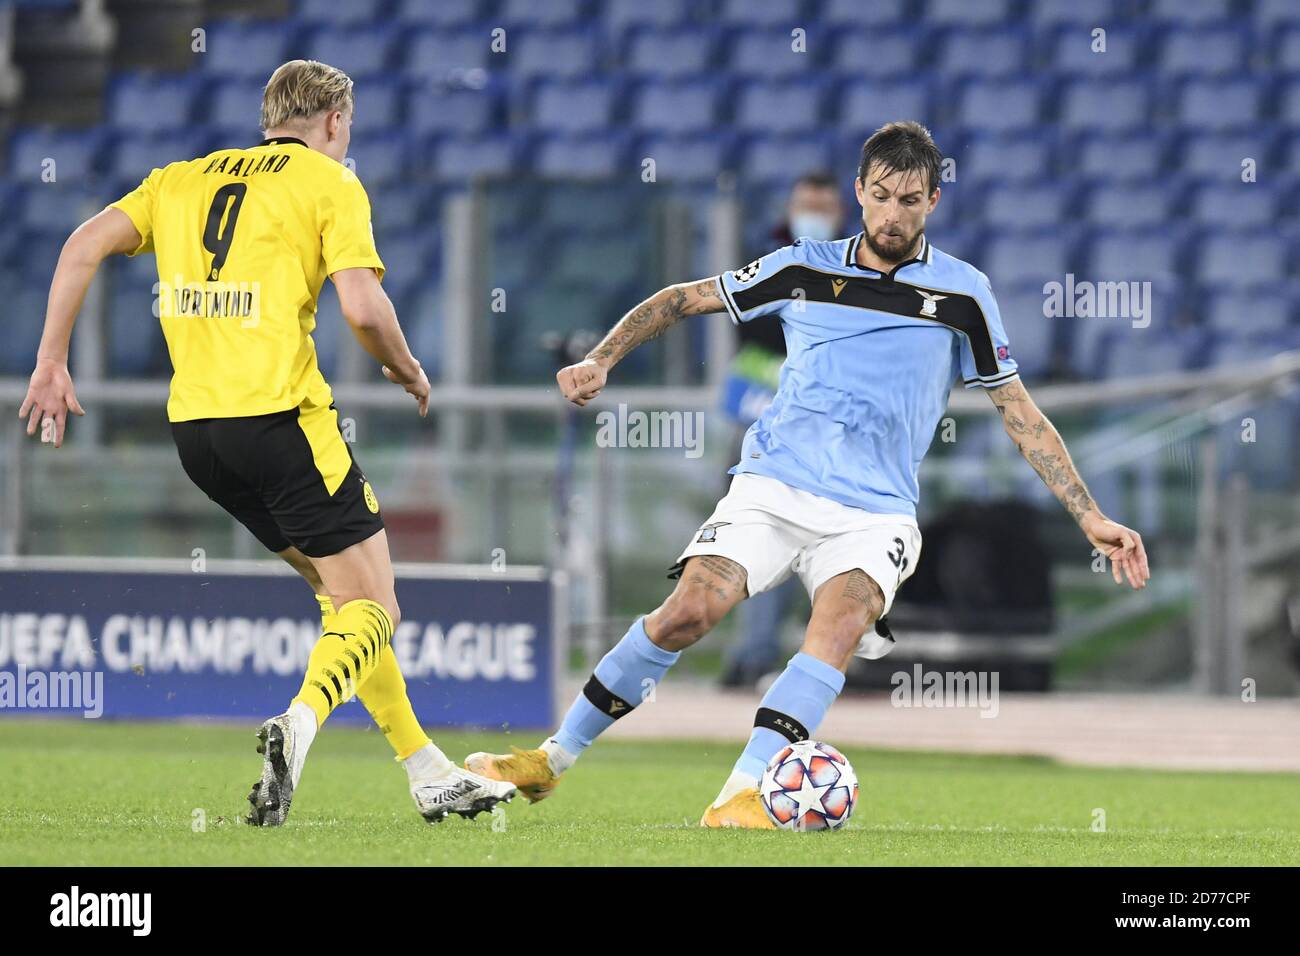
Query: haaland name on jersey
228	165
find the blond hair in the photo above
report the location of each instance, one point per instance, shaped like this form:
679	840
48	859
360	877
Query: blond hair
300	89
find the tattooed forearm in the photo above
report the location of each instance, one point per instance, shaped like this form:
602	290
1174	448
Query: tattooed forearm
654	316
1042	447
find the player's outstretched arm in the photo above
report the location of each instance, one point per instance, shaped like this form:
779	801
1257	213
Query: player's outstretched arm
50	395
1041	445
582	382
373	320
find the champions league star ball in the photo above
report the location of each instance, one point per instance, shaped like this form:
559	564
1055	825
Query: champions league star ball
809	786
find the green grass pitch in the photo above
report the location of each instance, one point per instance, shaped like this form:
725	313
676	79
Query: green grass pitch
105	793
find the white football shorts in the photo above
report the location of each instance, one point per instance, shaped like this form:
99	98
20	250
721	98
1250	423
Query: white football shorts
773	530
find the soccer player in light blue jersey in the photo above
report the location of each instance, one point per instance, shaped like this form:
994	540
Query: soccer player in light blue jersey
879	327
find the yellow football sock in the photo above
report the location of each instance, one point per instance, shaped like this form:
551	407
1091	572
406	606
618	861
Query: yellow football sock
326	610
345	657
385	697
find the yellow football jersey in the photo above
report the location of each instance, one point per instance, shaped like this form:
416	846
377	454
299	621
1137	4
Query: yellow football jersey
245	238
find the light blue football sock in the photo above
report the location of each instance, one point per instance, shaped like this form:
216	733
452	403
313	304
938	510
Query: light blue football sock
623	678
798	701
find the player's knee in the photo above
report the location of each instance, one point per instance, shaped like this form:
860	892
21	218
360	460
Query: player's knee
684	618
839	628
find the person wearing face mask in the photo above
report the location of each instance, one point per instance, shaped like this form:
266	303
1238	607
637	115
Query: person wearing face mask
815	210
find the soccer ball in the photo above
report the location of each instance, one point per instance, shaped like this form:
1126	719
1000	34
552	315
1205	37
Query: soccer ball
809	786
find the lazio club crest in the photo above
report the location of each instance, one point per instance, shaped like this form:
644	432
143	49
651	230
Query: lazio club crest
709	532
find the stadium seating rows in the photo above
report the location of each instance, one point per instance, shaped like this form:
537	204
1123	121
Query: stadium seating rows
1117	165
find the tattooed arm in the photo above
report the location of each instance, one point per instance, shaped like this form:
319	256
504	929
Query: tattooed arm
1041	445
582	382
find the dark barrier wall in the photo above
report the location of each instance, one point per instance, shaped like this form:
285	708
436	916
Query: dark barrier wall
475	652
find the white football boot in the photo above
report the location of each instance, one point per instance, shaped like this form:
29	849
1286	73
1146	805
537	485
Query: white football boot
461	792
282	762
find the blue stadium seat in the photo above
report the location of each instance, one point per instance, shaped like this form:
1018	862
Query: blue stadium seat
1286	57
400	206
1219	155
889	52
425	309
444	13
1219	104
1232	313
410	257
1129	353
378	159
434	54
749	14
778	161
671	53
134	155
769	53
568	208
74	154
1244	258
142	102
998	105
1205	51
1025	206
1143	255
1120	205
779	107
686	106
699	158
987	51
462	158
435	109
552	13
849	12
24	300
592	155
1003	158
58	208
964	13
379	107
1120	157
352	13
236	105
1270	14
1289	103
1189	11
1027	257
574	106
1111	105
244	49
1081	13
868	104
135	344
1238	204
1072	49
1031	334
553	53
361	52
622	15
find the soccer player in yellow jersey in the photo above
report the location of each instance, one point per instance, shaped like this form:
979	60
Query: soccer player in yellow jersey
244	238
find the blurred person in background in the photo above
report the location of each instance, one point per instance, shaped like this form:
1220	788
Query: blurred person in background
814	210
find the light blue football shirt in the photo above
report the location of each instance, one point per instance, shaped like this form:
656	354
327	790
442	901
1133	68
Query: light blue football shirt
871	360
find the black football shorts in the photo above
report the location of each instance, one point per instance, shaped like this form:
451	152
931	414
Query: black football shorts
288	477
